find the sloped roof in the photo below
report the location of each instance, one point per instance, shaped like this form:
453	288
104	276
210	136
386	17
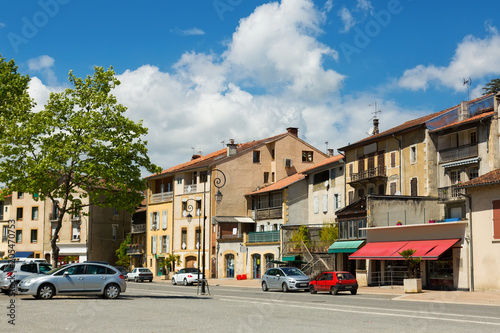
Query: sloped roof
206	160
329	160
281	184
490	178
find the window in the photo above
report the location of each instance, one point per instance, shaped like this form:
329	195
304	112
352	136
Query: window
256	156
325	203
20	195
272	154
413	154
266	177
496	219
473	138
34	213
203	176
276	199
351	197
316	205
361	165
263	202
273	177
381	189
184	238
454	177
153	244
154	217
179	181
1	210
5	233
198	208
53	230
165	244
19	236
19	213
337	201
473	173
321	177
115	211
198	238
307	156
114	231
350	170
393	188
75	231
332	173
413	187
164	219
393	160
381	160
361	224
34	236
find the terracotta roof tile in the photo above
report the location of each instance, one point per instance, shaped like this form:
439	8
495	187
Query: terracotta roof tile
329	160
492	177
280	184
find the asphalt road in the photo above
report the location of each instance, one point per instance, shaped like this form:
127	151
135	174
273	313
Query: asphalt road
160	307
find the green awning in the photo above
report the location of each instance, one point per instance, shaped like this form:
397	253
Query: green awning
290	258
345	246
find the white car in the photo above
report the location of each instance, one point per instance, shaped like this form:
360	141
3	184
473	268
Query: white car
186	276
140	274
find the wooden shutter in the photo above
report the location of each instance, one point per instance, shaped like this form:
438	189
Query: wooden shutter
496	219
393	160
413	187
164	220
150	221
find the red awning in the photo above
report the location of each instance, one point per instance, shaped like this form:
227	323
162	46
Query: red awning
426	249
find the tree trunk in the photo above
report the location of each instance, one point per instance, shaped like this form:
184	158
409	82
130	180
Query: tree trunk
55	248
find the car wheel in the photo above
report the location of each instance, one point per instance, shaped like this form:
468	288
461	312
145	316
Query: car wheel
264	286
136	279
185	282
46	291
12	289
150	280
354	292
111	291
334	291
173	282
312	290
284	287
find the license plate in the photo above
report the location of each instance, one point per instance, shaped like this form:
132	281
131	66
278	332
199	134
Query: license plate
302	285
348	287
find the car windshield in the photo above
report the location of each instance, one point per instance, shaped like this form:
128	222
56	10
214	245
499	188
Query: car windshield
292	271
44	269
57	269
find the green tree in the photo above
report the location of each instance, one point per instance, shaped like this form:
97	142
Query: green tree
492	87
170	261
329	233
80	146
121	253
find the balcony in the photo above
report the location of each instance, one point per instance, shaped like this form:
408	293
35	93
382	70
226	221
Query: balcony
369	175
264	236
135	249
269	213
458	153
191	188
138	228
161	197
450	193
231	238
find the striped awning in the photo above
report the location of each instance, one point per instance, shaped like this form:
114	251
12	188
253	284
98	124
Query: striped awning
462	162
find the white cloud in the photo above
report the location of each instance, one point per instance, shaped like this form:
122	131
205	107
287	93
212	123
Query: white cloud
43	64
2	25
189	32
474	57
347	19
362	9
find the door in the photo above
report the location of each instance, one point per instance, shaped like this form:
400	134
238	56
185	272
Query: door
229	265
70	279
95	277
256	266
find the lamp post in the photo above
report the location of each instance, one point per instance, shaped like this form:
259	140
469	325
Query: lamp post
218	183
471	249
189	217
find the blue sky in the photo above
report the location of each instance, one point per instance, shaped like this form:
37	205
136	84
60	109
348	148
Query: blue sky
199	72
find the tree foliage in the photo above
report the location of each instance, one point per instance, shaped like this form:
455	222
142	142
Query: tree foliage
412	263
301	234
80	150
121	253
492	87
329	233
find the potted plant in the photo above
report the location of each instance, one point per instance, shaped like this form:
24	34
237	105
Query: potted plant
168	264
412	284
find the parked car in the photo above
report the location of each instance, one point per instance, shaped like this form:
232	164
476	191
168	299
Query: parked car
122	269
334	282
187	276
75	279
285	278
140	274
12	274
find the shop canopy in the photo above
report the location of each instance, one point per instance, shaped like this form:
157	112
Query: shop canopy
20	254
425	249
345	246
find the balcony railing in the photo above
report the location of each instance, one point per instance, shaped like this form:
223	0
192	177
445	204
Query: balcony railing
450	193
135	249
191	188
370	173
269	213
138	228
264	236
232	236
458	153
161	197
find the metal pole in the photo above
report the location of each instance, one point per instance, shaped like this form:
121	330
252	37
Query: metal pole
203	235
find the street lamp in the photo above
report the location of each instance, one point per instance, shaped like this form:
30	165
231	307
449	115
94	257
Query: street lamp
189	217
218	182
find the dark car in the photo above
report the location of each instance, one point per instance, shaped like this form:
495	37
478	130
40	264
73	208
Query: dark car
334	282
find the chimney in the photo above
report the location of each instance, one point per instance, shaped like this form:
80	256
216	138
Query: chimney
293	131
330	151
375	126
195	156
463	112
231	147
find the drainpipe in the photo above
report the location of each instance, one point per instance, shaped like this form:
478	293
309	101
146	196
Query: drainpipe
400	162
345	178
471	253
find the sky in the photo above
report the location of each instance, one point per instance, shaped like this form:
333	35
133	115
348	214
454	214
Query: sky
201	72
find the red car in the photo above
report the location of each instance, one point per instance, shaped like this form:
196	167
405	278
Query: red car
334	282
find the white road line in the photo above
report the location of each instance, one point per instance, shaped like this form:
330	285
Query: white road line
377	313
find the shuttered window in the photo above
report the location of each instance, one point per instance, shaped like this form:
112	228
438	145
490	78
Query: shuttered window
164	220
496	219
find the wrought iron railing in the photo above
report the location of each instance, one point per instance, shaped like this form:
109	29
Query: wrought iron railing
370	173
135	249
137	228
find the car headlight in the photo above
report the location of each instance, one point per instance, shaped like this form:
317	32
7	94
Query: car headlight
291	280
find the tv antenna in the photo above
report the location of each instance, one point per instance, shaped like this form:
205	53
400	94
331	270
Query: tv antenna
374	130
468	82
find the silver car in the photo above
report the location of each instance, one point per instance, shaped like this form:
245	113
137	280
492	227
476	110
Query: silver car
285	278
76	279
13	273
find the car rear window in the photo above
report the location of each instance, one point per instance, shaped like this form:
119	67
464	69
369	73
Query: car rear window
144	270
345	276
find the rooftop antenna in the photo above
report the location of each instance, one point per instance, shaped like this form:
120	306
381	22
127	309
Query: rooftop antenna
193	150
326	144
374	130
222	143
468	82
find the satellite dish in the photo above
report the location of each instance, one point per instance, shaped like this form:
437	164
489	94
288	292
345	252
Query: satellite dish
370	132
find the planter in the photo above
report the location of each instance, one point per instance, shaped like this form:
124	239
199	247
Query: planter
165	277
412	285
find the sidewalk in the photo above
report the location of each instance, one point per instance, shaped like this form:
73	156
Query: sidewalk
457	297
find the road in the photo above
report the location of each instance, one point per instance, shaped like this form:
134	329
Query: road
160	307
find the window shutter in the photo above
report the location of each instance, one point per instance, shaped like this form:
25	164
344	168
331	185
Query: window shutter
167	244
393	160
164	220
496	219
316	205
153	244
325	203
160	241
150	221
